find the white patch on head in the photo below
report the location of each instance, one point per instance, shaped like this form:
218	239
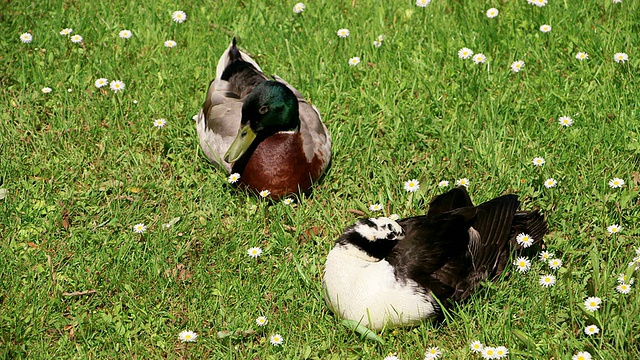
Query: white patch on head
385	229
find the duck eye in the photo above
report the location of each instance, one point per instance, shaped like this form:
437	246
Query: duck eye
263	110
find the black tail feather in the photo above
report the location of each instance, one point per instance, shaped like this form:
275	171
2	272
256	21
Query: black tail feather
234	52
241	75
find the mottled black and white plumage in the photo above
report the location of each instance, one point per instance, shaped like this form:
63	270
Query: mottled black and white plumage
387	273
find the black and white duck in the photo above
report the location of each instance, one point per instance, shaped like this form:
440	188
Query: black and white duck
383	272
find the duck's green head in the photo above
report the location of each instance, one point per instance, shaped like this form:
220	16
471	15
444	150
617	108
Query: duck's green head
269	108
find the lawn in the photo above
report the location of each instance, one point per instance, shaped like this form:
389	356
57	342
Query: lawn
81	165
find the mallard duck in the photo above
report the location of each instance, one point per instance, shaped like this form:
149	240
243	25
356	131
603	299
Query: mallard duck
261	128
389	273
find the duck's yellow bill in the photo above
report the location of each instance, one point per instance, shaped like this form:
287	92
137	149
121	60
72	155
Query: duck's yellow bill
240	145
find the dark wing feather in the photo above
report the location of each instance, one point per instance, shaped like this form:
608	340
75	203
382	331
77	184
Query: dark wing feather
457	246
490	250
432	244
451	200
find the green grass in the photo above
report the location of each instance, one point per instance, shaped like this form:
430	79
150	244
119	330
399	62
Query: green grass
81	168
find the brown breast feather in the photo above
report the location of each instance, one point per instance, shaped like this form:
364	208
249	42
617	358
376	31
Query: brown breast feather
278	164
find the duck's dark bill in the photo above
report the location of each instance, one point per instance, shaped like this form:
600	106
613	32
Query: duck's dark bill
240	145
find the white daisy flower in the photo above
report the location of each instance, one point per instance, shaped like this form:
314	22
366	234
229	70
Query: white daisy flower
547	280
465	53
343	33
476	346
288	201
493	12
591	330
550	183
101	82
581	355
276	340
443	183
423	3
432	353
412	185
179	16
262	320
522	264
555	264
545	256
592	303
623	288
462	182
354	61
170	44
538	3
139	228
46	90
26	38
501	352
620	57
125	34
298	8
516	66
614	229
622	279
265	193
545	28
616	1
616	183
188	336
488	352
76	38
377	43
233	178
538	161
375	207
116	85
479	58
66	31
582	56
565	121
524	240
394	217
159	123
254	252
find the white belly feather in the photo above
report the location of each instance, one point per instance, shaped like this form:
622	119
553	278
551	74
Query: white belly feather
365	291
